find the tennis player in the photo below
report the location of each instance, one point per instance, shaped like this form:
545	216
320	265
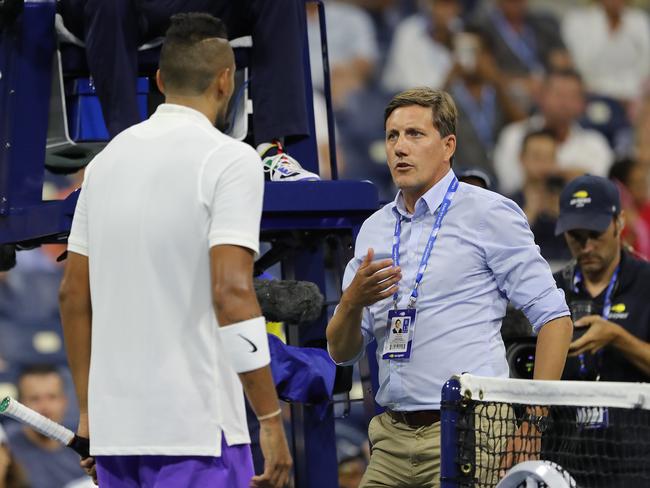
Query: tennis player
165	228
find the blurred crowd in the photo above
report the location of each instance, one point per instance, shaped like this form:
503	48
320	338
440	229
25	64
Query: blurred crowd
546	91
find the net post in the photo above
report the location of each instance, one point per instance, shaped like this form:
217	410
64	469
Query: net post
451	396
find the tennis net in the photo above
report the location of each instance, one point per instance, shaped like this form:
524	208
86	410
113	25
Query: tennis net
597	432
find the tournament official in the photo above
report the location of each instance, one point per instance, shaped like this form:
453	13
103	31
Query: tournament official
448	257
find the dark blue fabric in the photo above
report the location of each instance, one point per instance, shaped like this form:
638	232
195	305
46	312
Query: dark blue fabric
113	29
302	374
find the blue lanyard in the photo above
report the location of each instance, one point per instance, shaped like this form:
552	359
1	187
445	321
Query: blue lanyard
523	46
607	305
442	211
481	114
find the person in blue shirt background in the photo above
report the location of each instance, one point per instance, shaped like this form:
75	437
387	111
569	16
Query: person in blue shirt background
448	256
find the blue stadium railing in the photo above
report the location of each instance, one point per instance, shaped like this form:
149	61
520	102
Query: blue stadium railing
449	464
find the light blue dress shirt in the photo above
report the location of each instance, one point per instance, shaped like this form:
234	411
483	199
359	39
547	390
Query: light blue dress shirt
484	256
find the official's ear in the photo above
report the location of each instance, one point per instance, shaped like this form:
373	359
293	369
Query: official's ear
620	223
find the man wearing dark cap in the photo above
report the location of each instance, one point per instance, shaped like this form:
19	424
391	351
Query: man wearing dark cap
476	177
606	287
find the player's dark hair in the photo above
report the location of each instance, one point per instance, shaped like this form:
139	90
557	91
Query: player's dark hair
194	50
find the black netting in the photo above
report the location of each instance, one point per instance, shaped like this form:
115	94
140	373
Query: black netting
598	447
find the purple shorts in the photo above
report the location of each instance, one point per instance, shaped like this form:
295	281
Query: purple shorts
233	469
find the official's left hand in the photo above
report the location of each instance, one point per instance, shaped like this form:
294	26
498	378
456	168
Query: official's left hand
601	332
525	445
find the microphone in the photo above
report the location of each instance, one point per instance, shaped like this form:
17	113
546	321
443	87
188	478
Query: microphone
291	301
7	257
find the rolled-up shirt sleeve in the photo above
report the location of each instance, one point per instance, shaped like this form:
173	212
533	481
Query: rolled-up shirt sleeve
366	318
520	271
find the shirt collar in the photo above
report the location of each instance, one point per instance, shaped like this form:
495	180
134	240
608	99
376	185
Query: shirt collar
182	110
430	201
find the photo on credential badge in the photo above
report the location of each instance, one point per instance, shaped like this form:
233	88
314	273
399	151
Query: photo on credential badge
397	326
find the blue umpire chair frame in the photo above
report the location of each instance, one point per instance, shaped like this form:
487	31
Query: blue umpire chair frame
297	215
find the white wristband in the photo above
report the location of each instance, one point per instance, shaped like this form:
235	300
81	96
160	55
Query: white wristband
246	345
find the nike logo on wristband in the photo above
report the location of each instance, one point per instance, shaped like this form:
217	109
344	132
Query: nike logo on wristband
250	342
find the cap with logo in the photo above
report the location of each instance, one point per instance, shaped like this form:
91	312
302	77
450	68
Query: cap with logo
477	173
588	203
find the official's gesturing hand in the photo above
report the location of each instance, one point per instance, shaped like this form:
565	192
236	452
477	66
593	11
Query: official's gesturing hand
373	282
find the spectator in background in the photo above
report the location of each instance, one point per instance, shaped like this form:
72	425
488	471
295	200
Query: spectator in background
352	453
11	473
353	55
30	326
47	463
421	51
352	46
610	45
526	44
476	177
606	288
539	197
481	94
631	178
386	15
642	133
579	150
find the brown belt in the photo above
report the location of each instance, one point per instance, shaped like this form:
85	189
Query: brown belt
418	418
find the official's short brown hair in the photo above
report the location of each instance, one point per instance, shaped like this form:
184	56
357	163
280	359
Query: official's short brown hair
443	108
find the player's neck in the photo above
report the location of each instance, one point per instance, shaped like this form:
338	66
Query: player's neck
596	282
197	103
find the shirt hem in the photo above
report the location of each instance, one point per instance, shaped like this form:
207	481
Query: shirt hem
214	451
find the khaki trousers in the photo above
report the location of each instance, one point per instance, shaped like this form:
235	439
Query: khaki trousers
402	456
409	457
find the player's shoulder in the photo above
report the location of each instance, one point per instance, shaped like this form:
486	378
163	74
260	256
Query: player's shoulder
228	152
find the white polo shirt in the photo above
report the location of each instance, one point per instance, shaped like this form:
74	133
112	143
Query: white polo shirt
152	204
